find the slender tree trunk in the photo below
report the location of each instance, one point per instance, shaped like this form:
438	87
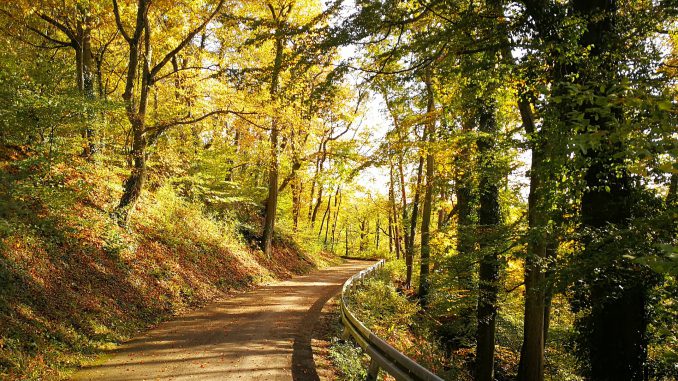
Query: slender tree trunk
317	205
88	77
409	245
313	184
296	201
272	201
313	209
551	251
325	215
337	206
428	198
377	234
363	235
393	212
390	232
409	255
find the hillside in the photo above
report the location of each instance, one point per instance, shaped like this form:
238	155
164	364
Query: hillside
74	282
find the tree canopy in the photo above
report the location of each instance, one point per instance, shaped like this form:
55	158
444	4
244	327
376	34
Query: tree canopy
524	157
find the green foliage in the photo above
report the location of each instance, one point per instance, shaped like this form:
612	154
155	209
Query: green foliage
378	304
350	360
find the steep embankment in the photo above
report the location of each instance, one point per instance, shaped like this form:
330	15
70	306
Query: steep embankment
73	283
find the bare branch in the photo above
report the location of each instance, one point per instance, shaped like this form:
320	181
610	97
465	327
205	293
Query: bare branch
118	21
160	128
68	32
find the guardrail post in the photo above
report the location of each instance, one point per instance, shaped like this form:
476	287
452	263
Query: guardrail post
346	334
372	371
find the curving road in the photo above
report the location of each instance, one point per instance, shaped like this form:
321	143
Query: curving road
264	334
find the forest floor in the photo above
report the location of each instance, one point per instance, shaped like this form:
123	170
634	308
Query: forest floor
261	334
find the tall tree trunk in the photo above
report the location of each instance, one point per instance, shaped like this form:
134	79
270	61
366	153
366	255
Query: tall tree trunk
327	211
390	232
272	201
615	332
465	225
531	365
363	235
393	214
136	113
88	77
409	245
337	206
313	209
377	233
428	196
409	255
489	218
313	184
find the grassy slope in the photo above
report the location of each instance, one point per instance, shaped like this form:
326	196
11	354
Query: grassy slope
73	283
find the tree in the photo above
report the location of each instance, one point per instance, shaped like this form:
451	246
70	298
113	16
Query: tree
141	69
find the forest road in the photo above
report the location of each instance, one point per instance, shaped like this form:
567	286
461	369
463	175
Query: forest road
263	334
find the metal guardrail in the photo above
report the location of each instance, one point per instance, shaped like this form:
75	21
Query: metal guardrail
383	356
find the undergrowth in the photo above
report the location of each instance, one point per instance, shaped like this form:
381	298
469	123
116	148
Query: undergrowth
393	313
73	283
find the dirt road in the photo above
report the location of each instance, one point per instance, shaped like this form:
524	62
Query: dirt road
260	335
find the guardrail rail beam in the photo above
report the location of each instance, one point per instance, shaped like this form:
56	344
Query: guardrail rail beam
382	355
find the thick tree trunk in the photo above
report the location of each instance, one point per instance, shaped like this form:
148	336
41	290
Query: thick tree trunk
531	365
615	333
135	182
465	225
489	218
136	114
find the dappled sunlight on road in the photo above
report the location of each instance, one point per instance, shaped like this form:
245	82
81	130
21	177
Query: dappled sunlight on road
264	334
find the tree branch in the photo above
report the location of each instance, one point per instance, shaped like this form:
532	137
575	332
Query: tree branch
162	127
185	41
118	22
69	33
